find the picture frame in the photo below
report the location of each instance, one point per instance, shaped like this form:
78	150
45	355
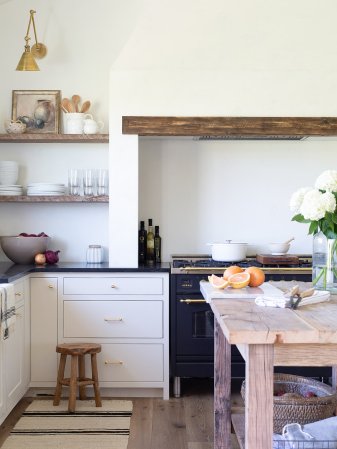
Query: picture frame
38	109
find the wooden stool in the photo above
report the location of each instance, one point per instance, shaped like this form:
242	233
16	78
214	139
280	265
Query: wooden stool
77	351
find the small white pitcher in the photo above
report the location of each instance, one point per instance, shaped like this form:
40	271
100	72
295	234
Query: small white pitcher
91	126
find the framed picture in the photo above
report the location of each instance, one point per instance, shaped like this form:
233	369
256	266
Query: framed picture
38	109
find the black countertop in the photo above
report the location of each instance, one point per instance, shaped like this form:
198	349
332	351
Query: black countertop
10	272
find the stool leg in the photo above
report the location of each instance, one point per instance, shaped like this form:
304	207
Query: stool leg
60	377
95	379
81	376
73	384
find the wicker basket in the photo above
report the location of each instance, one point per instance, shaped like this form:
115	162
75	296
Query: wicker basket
300	410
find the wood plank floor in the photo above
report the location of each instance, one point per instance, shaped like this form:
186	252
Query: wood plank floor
179	423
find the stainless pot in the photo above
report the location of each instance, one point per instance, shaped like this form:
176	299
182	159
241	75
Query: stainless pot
228	251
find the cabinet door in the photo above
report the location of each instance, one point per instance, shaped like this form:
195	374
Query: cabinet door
26	351
2	388
43	292
13	361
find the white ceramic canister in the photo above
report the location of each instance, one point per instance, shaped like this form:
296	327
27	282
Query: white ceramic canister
91	126
73	123
95	254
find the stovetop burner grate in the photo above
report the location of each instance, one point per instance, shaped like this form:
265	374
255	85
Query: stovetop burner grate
180	263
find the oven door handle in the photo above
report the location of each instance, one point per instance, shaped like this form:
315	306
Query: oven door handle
192	301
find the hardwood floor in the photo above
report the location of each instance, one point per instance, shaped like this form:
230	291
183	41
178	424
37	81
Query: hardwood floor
179	423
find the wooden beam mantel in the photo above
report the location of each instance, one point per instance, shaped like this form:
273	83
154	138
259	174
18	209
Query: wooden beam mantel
230	126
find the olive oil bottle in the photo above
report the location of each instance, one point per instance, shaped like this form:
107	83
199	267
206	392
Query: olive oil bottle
157	245
150	244
142	242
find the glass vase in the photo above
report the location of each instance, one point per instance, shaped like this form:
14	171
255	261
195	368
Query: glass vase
324	263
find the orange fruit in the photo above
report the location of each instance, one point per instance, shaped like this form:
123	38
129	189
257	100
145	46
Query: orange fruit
232	270
257	276
239	280
217	281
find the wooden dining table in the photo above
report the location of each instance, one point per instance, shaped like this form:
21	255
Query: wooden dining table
266	337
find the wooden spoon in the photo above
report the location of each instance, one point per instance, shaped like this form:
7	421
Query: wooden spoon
76	99
65	104
85	106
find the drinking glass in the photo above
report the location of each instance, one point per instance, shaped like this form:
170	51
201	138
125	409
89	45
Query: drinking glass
89	181
102	181
74	181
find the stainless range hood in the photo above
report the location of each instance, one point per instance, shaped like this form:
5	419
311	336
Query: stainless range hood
226	138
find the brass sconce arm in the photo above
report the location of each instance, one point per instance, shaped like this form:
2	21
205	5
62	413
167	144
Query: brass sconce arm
39	50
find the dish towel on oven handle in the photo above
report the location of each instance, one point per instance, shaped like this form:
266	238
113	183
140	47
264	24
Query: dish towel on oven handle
283	301
7	309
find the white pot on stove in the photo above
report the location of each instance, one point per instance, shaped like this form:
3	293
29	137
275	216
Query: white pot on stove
228	251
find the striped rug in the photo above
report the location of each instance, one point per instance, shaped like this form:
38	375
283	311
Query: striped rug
43	426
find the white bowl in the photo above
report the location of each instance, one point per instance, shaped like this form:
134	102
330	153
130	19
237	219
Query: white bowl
22	250
279	248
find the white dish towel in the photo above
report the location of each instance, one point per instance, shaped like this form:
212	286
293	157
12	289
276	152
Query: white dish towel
283	301
7	308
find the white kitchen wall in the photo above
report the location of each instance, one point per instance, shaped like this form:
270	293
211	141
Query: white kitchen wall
200	57
221	58
83	39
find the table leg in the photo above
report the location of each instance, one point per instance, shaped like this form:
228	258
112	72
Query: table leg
334	379
222	390
259	397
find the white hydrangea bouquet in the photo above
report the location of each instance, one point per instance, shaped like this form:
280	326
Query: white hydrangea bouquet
317	206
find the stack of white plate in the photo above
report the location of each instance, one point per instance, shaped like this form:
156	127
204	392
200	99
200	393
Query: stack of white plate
9	171
46	189
10	190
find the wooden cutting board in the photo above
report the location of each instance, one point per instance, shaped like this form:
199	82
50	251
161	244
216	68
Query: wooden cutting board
269	259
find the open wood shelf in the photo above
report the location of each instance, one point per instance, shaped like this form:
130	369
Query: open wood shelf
54	138
273	127
54	199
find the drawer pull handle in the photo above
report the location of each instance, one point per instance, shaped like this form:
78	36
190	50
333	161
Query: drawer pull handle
193	301
114	286
18	294
113	319
50	286
114	362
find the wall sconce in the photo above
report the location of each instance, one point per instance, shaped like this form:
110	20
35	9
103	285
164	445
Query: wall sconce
39	51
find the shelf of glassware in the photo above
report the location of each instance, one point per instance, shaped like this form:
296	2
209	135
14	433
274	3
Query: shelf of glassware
54	199
54	138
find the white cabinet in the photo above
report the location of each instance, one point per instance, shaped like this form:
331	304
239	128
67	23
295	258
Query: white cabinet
43	292
128	314
14	353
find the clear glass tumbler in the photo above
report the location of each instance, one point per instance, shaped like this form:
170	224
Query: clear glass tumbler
89	181
102	181
74	181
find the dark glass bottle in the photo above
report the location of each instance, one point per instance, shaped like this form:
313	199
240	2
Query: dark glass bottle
150	244
157	245
142	242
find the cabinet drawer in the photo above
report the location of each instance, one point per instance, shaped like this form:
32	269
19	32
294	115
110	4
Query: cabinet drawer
112	319
113	285
131	363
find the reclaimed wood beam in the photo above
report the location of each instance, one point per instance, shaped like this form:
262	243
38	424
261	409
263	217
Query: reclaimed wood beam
230	126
